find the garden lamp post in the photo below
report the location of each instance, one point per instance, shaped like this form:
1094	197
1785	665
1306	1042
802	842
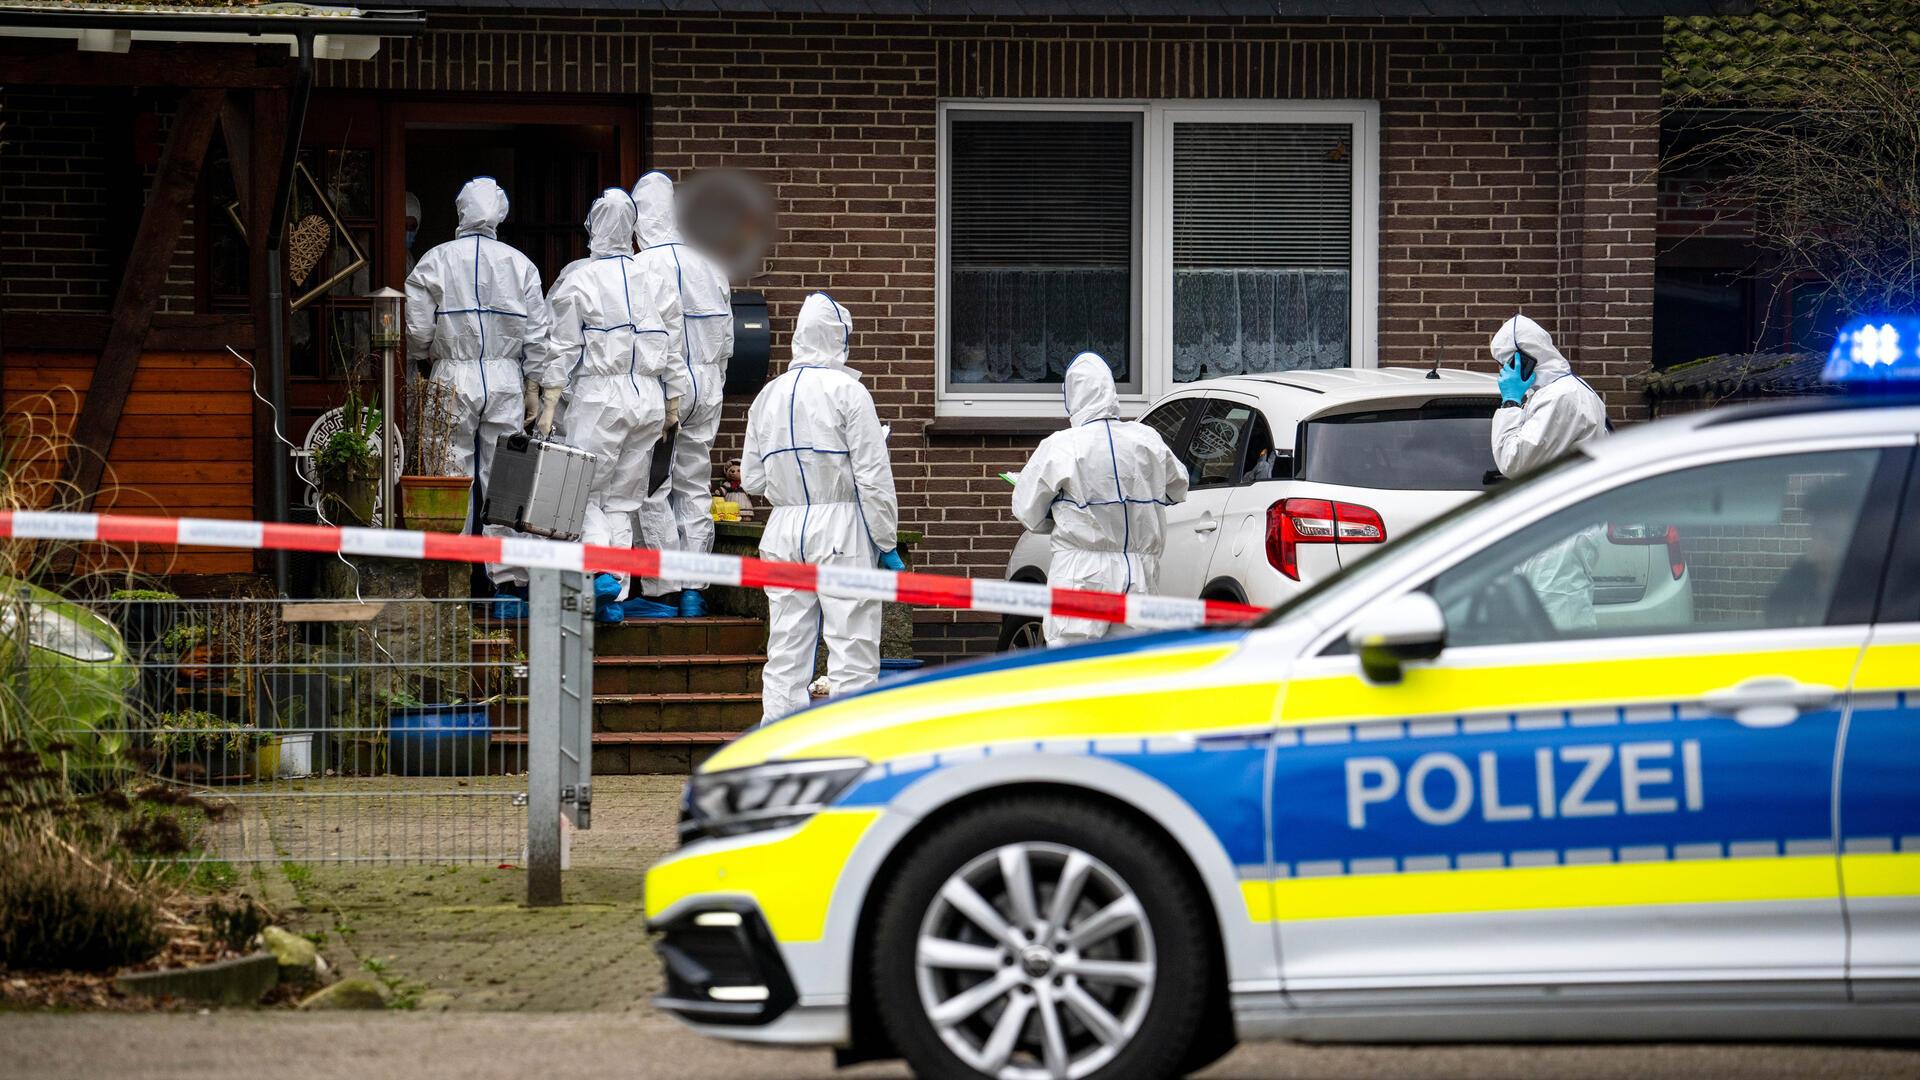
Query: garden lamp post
388	310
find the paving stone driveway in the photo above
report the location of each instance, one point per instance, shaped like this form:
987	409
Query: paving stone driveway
460	937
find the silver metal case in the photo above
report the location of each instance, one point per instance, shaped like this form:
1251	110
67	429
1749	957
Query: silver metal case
538	486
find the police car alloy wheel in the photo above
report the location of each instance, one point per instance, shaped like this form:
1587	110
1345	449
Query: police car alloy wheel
1041	938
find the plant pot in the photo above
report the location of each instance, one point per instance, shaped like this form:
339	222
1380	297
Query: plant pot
144	622
292	756
435	503
348	500
439	740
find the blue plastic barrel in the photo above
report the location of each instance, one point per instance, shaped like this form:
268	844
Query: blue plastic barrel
438	740
893	667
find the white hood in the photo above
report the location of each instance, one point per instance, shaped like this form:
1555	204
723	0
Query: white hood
822	335
610	224
653	204
1532	339
1089	391
482	205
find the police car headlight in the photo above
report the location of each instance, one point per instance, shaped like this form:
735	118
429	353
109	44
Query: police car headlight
760	797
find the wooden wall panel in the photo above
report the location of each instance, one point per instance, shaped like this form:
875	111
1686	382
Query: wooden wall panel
183	446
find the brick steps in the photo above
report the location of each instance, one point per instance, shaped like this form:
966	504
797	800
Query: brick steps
676	674
667	692
675	712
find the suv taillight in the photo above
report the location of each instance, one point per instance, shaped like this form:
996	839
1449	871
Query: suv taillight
1292	522
1649	535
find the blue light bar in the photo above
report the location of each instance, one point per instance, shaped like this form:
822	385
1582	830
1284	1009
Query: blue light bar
1877	349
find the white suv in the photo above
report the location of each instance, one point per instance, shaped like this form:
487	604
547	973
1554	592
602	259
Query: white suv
1295	474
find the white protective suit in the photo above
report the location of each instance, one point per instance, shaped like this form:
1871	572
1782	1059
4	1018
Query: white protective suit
474	308
815	451
700	338
1101	487
608	336
1559	413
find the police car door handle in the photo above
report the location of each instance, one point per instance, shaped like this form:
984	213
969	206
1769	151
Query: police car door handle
1769	701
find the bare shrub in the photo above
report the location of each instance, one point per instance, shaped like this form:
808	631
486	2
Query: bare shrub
1827	167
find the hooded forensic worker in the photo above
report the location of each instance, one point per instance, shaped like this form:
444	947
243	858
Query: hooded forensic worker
816	452
1545	411
475	312
699	323
608	336
1101	488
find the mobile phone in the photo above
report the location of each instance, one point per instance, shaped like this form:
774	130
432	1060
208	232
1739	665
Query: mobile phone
1526	364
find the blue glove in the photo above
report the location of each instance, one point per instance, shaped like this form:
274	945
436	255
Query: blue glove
891	560
1513	385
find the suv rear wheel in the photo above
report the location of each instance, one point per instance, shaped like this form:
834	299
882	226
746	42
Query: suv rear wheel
1042	937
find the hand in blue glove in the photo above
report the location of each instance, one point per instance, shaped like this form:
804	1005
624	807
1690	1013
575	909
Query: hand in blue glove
891	560
1513	385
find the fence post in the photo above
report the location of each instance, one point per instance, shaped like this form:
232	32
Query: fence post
543	737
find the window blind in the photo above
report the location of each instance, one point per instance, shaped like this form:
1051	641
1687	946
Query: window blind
1262	196
1054	192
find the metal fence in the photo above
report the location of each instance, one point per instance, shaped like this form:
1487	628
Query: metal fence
320	731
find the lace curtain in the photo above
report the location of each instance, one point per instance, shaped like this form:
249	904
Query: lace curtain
1025	326
1240	322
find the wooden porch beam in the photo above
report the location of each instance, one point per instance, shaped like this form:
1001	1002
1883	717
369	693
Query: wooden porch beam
237	133
139	292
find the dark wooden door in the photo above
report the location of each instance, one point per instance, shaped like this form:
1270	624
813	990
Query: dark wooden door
558	172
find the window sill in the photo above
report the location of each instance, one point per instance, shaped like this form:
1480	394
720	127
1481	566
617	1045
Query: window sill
949	426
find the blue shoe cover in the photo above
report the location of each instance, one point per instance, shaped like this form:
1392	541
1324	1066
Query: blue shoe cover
693	604
606	587
647	609
509	607
609	611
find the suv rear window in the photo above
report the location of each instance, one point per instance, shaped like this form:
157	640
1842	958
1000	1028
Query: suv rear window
1439	446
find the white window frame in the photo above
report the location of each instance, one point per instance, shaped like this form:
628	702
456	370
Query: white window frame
1155	239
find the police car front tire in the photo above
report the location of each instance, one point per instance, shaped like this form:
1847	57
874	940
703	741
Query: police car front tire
1042	937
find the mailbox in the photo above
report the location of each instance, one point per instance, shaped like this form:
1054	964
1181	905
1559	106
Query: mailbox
752	345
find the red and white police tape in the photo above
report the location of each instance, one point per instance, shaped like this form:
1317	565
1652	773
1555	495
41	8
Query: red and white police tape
852	582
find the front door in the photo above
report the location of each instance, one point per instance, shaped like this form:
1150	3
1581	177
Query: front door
1557	802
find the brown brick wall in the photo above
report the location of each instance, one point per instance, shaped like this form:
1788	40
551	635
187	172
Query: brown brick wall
491	55
71	177
1610	160
53	216
1508	151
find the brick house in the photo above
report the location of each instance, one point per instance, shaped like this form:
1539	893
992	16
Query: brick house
1191	189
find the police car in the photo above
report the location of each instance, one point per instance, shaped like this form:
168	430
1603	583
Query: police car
1407	805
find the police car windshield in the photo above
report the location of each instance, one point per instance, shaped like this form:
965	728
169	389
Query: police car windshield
1390	556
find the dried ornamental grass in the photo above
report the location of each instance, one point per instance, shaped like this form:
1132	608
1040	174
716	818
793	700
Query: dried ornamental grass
61	911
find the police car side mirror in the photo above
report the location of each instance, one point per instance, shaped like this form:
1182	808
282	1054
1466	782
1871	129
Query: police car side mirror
1386	636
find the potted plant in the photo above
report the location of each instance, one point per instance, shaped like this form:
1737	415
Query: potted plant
348	466
199	746
143	615
432	497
